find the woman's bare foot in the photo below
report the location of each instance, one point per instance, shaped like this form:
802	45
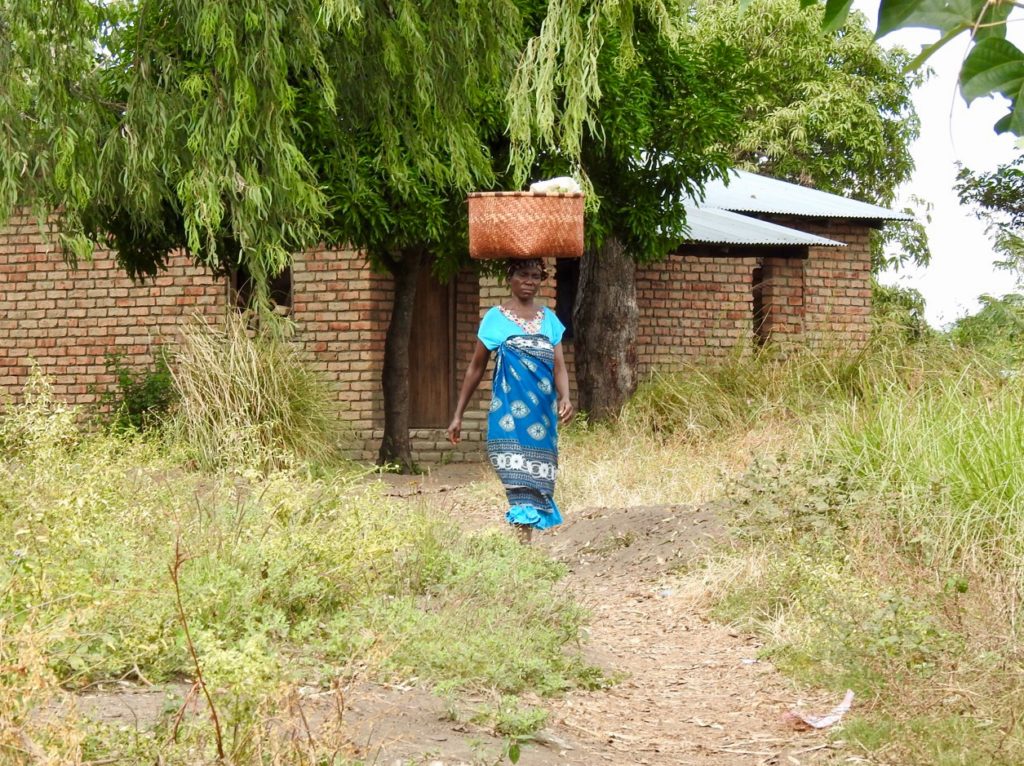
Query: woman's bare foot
524	533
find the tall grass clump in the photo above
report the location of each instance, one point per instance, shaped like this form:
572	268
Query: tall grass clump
248	397
952	452
686	432
703	402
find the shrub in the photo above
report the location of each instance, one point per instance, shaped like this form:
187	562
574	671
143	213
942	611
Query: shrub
40	423
142	398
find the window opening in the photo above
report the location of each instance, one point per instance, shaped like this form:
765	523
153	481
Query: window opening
280	289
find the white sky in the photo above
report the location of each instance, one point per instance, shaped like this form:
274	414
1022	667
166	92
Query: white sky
962	256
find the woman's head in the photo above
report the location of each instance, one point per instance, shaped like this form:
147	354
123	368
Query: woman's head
514	266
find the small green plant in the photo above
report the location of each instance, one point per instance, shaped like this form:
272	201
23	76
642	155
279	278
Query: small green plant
514	721
141	398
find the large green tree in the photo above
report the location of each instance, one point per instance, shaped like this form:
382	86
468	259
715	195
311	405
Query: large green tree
658	134
393	191
202	124
652	138
829	110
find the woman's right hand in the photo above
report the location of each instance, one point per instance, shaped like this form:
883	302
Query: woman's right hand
455	430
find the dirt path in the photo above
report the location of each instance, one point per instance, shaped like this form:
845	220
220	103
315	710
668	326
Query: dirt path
692	691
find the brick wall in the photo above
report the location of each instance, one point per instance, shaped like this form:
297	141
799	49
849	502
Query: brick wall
783	300
67	320
693	306
341	308
837	282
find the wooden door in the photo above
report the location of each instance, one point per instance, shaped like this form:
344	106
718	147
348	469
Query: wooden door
431	353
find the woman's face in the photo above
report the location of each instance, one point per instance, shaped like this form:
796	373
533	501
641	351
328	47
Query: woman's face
525	282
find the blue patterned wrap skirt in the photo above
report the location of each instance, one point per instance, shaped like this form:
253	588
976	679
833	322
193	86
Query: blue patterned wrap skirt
522	429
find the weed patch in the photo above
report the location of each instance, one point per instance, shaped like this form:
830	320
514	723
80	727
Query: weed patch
285	578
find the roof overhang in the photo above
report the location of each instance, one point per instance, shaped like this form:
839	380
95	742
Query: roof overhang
722	227
751	193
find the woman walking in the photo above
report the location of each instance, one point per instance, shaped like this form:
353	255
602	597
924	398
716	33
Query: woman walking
530	398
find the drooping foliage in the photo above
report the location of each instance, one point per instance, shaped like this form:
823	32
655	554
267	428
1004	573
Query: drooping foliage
152	126
659	134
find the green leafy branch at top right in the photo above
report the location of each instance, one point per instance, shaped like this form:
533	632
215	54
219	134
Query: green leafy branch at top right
993	64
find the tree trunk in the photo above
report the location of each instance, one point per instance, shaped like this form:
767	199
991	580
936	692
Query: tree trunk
395	447
605	320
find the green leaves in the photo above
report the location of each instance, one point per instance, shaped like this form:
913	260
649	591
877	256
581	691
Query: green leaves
835	110
992	66
836	12
995	65
931	14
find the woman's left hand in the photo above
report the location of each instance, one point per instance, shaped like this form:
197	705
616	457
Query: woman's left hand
565	411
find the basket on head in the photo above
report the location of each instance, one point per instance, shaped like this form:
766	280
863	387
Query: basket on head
525	225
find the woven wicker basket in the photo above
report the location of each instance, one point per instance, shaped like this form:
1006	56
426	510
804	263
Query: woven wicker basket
525	225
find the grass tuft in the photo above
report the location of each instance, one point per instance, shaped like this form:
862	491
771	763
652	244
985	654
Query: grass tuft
248	398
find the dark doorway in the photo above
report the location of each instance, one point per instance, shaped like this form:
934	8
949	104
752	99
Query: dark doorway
760	314
567	281
431	353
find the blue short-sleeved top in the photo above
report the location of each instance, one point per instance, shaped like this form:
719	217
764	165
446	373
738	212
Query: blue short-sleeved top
496	328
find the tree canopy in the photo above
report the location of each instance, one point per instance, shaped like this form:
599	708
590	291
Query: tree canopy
152	126
830	110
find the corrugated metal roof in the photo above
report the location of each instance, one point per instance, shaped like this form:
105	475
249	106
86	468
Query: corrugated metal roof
721	227
751	193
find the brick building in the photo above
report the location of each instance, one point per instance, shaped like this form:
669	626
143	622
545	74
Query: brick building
766	261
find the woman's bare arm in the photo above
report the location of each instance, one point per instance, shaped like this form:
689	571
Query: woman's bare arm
565	408
474	374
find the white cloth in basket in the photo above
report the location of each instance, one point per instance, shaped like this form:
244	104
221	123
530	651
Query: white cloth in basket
560	185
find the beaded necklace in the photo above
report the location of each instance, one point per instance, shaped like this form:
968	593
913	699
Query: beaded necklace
531	326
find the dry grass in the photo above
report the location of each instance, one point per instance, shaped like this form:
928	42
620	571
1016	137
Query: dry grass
618	467
248	397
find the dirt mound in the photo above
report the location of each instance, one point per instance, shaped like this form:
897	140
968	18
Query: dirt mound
647	541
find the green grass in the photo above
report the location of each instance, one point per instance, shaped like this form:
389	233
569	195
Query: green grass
287	578
885	542
877	509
